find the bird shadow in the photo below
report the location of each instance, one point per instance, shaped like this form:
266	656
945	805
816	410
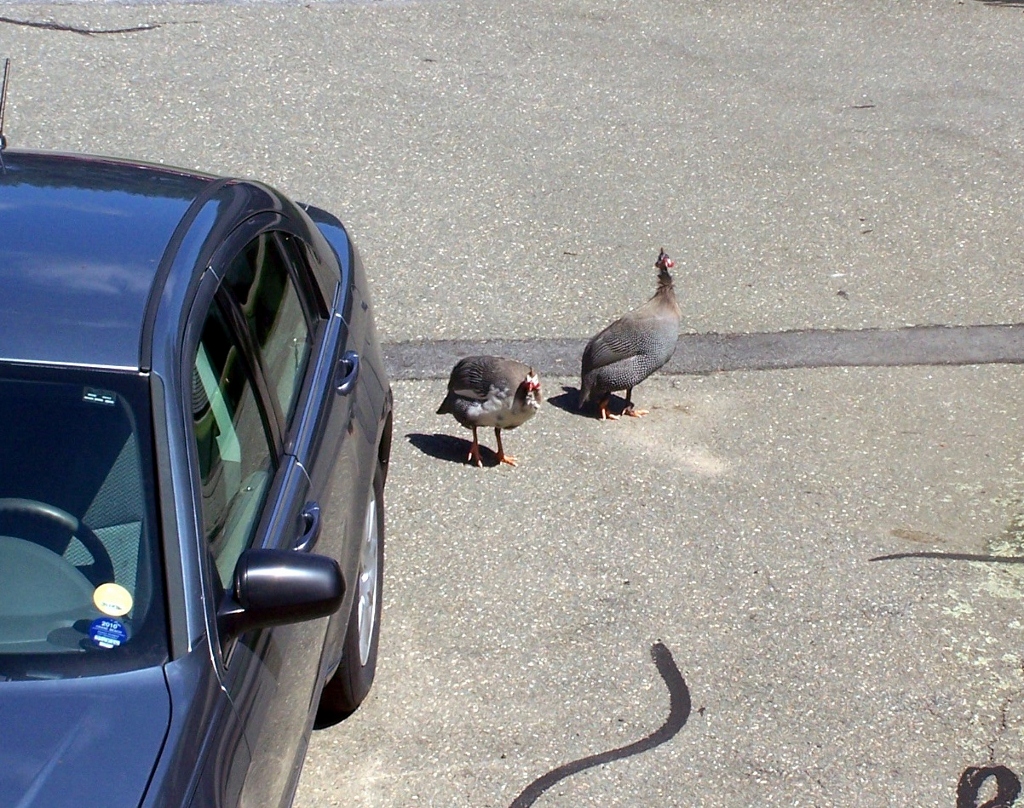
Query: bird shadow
450	448
568	401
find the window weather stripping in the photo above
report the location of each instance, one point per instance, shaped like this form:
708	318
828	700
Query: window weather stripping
3	107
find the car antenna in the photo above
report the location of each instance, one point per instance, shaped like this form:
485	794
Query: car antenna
3	107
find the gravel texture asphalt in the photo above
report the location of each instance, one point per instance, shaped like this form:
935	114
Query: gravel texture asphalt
808	544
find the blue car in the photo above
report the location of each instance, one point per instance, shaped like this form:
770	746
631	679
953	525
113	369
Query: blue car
195	428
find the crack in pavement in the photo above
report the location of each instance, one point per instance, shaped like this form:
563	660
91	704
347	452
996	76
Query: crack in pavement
74	29
979	558
717	353
680	705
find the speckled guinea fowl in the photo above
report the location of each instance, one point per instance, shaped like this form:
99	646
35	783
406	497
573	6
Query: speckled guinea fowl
491	391
632	348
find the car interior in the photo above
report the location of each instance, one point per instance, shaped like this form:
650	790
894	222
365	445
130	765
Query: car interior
72	514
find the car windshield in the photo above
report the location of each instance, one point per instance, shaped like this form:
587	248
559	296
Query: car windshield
81	588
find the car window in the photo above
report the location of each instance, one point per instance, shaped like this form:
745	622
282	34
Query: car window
260	282
80	575
235	459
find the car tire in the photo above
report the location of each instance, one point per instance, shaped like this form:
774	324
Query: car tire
351	683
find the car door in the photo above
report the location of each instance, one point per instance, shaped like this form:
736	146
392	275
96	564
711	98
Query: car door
253	373
334	441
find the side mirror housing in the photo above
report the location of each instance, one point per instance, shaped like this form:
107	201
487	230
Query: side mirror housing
275	587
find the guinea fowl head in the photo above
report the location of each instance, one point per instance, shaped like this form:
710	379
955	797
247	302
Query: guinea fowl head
664	264
529	390
532	381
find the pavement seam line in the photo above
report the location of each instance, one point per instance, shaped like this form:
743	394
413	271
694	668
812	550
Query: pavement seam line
716	353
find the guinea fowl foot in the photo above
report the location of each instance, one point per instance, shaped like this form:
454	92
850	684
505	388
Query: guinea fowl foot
603	413
630	408
502	457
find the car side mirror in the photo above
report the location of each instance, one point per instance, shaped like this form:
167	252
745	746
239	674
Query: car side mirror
275	587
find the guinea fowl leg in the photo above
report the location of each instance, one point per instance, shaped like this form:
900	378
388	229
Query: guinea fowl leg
602	409
474	451
502	457
630	408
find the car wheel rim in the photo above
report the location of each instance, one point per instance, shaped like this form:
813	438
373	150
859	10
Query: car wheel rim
367	605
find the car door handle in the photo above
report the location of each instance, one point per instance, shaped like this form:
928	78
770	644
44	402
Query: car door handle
310	528
347	372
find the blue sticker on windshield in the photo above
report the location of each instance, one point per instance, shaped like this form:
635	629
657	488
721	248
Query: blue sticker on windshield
107	632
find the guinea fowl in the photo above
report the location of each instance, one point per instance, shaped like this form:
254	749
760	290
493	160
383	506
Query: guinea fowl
632	348
491	391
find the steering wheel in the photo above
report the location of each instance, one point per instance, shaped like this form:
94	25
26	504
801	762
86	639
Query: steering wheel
102	568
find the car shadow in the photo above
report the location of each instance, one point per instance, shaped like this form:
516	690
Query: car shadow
325	719
450	448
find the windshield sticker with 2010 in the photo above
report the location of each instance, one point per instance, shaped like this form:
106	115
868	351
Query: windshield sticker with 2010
106	632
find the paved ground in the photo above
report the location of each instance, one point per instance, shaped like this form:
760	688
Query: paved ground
745	525
796	586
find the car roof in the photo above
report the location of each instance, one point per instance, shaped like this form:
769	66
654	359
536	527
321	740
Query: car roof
82	243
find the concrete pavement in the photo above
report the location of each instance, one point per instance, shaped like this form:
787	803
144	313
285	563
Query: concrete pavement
746	524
